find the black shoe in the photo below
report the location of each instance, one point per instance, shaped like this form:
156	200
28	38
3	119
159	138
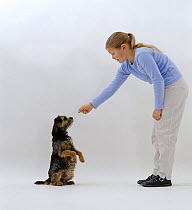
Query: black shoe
145	180
157	181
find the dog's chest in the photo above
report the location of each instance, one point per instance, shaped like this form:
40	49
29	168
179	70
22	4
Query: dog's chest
62	145
66	146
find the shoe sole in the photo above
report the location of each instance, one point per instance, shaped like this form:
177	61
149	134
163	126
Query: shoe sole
168	185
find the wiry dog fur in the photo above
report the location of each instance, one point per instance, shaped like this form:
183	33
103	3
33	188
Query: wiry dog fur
63	158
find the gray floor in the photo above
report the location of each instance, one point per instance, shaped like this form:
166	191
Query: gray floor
94	191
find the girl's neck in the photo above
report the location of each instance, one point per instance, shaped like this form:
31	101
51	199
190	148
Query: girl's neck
131	55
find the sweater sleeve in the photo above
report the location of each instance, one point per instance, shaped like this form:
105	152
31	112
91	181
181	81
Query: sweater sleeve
116	83
148	64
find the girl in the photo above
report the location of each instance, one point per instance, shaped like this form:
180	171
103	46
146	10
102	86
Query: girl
149	64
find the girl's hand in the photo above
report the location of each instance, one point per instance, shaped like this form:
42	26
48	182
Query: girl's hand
86	108
157	114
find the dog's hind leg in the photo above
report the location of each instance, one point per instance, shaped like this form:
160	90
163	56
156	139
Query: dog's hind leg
70	182
56	178
68	174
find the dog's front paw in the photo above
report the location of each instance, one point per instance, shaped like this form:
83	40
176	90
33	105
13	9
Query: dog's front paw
63	154
74	159
82	159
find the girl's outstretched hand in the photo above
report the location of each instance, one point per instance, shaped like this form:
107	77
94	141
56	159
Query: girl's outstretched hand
157	114
86	108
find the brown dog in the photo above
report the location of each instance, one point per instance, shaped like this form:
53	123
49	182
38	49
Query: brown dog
63	158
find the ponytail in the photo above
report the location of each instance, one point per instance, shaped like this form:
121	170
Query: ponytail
132	40
146	45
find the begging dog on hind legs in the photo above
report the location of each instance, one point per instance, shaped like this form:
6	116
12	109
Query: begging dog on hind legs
63	158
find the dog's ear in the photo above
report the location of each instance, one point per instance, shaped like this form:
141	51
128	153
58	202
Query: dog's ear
54	130
57	120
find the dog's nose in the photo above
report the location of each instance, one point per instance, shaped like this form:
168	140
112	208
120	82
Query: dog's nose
71	118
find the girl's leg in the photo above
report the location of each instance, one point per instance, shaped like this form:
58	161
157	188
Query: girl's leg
168	126
156	146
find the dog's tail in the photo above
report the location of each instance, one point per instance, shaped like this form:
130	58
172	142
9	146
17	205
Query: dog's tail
46	182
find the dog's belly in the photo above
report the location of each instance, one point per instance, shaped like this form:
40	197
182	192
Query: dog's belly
69	172
58	163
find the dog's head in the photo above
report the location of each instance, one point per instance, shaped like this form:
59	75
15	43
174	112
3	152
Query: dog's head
63	122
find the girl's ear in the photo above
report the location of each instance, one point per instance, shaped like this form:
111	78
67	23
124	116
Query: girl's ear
123	46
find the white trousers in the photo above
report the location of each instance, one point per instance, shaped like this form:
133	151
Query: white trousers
165	130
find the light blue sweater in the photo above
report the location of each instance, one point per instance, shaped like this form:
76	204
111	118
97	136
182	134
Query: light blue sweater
149	65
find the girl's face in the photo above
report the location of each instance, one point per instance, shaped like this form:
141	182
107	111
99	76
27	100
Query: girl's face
118	54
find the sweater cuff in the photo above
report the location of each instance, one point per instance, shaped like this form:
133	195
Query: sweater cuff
93	104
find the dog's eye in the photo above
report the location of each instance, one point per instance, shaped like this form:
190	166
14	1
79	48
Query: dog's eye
65	118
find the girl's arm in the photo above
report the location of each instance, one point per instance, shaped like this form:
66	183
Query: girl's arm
116	83
148	64
106	93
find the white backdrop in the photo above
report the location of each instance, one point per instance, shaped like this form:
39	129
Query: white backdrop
53	60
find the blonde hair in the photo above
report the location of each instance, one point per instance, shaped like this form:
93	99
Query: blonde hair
118	38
